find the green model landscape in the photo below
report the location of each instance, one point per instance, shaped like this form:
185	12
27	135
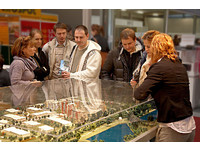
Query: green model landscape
82	124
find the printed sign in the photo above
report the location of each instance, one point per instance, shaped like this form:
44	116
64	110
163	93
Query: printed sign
27	25
47	31
25	13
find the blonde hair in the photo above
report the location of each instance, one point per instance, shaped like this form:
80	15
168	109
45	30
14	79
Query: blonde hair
34	31
162	46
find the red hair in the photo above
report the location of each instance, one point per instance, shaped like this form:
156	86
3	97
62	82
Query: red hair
162	46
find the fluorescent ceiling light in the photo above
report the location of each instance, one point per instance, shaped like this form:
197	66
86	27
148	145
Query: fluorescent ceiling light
155	14
140	12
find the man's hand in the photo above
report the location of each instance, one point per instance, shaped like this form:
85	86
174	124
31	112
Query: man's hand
65	74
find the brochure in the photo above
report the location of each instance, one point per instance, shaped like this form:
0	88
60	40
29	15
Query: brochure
64	66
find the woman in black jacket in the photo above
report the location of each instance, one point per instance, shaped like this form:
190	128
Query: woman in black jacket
167	82
40	58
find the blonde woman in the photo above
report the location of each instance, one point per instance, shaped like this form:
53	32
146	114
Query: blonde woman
146	60
167	82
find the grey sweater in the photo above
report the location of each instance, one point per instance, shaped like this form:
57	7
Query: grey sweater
21	70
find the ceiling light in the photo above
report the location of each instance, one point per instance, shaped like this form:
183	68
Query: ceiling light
140	12
155	14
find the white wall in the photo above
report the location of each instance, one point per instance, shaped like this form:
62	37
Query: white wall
180	25
95	20
175	25
154	24
198	26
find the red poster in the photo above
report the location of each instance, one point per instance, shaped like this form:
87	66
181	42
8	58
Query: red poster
47	31
27	25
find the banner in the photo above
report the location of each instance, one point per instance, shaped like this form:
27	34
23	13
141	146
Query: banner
27	25
24	13
49	17
47	31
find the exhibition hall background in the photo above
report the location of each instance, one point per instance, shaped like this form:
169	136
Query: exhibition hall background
19	22
16	22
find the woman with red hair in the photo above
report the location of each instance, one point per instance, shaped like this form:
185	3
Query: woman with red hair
167	82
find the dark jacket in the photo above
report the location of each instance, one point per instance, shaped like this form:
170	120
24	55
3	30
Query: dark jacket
143	59
4	78
119	64
102	42
168	84
43	65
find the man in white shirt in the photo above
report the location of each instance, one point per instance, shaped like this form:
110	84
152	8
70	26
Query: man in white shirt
85	58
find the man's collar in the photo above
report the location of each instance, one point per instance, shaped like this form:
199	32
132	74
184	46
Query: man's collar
63	43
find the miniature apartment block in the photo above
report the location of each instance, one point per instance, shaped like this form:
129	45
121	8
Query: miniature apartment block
15	117
63	122
18	132
12	110
31	123
40	114
46	128
3	121
52	104
34	109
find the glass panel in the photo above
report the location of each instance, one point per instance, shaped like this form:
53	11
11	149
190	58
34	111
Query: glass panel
73	110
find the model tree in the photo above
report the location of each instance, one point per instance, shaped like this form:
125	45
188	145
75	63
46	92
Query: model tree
20	139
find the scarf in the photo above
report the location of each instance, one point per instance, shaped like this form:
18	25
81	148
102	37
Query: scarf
29	62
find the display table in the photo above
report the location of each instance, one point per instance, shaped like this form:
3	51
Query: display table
146	136
71	110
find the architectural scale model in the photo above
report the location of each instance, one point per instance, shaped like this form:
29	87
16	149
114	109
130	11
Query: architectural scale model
71	120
